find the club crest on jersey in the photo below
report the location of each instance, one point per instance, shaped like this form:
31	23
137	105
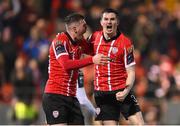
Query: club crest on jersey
55	114
114	50
98	111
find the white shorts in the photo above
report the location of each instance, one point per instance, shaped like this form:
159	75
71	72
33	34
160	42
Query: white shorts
83	100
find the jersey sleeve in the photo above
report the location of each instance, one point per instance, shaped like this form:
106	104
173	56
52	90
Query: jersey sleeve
129	53
59	48
69	64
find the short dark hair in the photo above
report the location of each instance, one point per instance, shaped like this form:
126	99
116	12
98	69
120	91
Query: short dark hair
110	10
74	17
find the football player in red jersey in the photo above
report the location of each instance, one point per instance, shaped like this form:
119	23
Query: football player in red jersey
113	81
59	100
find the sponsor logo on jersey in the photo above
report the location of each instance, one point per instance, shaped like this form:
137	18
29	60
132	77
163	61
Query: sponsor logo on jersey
59	47
114	50
130	56
98	111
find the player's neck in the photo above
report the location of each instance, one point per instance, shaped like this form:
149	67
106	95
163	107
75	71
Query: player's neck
109	36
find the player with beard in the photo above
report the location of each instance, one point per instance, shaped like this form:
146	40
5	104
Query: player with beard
59	100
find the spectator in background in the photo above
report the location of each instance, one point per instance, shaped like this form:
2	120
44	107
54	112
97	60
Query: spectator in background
34	43
36	47
24	90
93	18
9	11
23	81
37	77
143	34
9	51
28	17
2	75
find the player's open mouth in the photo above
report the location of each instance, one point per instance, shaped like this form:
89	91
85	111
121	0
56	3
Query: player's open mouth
109	27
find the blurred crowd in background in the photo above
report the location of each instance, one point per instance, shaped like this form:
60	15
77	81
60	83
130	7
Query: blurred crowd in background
27	28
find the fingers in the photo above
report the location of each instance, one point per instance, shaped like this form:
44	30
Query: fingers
104	59
103	63
120	96
101	59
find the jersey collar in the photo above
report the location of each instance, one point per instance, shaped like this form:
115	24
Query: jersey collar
72	41
113	38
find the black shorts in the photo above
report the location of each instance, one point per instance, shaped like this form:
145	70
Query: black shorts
62	109
108	108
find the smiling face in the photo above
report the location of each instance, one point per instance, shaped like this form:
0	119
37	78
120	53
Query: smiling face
109	23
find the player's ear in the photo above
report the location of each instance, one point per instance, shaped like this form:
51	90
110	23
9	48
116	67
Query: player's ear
74	29
117	22
101	22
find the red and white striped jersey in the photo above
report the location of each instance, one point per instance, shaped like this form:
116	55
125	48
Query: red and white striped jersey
112	76
62	81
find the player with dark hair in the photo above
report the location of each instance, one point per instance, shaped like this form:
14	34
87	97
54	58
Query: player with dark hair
113	81
59	100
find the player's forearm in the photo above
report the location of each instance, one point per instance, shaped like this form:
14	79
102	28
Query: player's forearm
131	78
69	64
